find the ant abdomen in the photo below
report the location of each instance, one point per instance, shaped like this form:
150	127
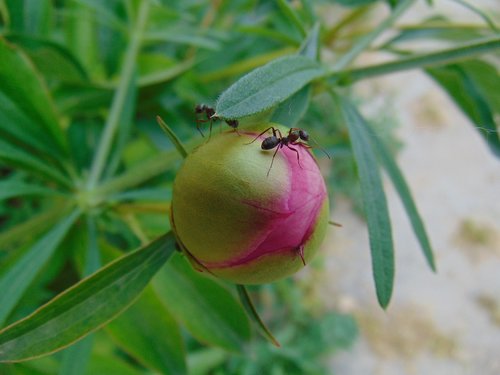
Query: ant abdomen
269	143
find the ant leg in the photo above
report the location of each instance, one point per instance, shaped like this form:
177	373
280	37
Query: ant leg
210	131
198	122
278	132
272	160
265	131
294	150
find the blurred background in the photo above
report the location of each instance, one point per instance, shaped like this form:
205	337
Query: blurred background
444	323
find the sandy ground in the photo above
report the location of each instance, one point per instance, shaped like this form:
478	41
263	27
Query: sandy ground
444	323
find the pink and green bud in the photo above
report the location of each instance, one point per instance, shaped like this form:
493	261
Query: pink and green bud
238	223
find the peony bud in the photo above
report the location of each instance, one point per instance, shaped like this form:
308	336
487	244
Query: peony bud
235	221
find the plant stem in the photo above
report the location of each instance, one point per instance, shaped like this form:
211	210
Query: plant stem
442	57
140	174
173	137
119	99
367	40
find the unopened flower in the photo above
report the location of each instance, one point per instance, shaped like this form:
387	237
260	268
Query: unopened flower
240	223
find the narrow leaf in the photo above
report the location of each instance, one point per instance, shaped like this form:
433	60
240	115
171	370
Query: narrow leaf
53	60
403	190
31	228
473	85
25	160
86	306
12	188
291	110
207	309
267	86
112	364
172	136
374	202
292	16
27	98
76	358
150	334
254	315
15	281
126	121
310	46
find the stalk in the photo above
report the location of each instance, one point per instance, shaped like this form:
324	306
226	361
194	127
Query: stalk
367	40
127	74
442	57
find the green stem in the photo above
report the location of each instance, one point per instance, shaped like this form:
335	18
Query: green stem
443	57
119	99
173	137
138	175
367	40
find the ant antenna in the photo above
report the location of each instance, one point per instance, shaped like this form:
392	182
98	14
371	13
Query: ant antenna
321	148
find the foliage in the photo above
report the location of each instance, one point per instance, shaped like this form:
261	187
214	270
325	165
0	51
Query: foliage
86	174
307	335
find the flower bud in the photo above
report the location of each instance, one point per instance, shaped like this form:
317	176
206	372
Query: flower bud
240	223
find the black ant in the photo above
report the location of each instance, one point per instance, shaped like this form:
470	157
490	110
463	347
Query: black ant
211	117
294	137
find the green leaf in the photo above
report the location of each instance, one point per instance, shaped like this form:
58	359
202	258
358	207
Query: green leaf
473	86
86	306
166	74
310	46
31	228
291	110
24	97
37	16
17	279
126	121
292	16
51	59
403	190
28	161
173	137
181	36
11	188
150	334
254	315
112	364
427	60
374	202
76	357
354	3
432	30
207	310
267	86
204	361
